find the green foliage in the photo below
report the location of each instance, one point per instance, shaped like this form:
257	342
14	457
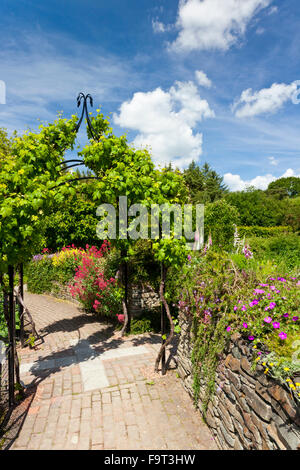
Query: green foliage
285	187
41	275
27	184
219	220
147	323
218	292
263	232
282	250
204	184
256	207
292	213
74	221
143	268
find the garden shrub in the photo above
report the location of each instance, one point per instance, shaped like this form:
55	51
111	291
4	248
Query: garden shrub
82	271
263	232
219	221
284	249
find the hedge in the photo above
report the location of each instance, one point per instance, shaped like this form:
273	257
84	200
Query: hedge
263	232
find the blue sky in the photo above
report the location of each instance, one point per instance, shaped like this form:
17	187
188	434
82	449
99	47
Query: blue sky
209	80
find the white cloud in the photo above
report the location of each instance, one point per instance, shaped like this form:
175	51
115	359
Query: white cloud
236	183
165	120
268	100
273	10
213	24
273	161
158	27
203	79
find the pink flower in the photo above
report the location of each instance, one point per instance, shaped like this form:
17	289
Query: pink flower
244	308
295	318
267	320
276	324
228	328
251	338
121	317
282	335
245	325
235	308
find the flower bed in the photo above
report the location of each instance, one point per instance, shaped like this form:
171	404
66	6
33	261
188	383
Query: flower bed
78	274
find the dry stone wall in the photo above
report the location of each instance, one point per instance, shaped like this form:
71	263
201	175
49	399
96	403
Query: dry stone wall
249	410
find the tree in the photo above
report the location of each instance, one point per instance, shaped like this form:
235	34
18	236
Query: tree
292	213
5	146
256	207
204	184
285	187
220	219
27	188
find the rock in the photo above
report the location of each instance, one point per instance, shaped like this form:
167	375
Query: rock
232	363
278	393
289	435
272	432
262	391
234	379
257	404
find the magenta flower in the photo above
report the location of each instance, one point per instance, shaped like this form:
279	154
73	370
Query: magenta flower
295	318
251	338
235	308
259	291
282	335
276	324
253	303
244	308
286	315
228	328
267	320
245	325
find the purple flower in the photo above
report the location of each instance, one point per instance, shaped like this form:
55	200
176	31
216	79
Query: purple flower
245	325
276	324
295	318
244	308
282	335
235	308
267	320
228	328
259	291
286	315
253	303
251	338
189	257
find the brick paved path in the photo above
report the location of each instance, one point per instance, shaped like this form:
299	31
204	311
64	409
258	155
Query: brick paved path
95	390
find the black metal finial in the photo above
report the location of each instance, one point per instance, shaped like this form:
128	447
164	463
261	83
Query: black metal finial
85	98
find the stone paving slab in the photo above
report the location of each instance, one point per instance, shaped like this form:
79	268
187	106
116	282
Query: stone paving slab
94	390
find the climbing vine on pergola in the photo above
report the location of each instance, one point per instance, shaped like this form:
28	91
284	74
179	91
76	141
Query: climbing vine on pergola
33	177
